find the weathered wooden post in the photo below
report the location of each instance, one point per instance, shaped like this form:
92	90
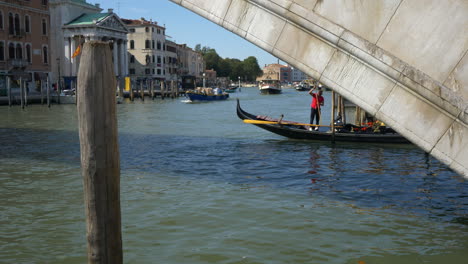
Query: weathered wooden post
100	153
21	92
58	91
152	89
142	91
8	83
48	90
163	89
25	90
172	89
41	86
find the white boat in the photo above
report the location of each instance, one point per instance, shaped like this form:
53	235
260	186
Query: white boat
270	86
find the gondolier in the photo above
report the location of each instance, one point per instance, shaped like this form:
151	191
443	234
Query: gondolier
317	102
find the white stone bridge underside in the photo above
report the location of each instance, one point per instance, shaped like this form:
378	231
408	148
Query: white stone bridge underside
404	61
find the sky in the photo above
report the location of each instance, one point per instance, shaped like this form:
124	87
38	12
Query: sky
186	27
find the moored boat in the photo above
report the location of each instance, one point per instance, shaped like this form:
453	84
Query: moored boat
270	86
298	130
231	89
206	94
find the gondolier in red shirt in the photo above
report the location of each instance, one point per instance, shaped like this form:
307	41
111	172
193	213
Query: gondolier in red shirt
317	102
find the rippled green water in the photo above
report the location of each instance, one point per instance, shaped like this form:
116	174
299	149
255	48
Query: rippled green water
199	186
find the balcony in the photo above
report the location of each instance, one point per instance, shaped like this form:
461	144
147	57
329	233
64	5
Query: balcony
17	63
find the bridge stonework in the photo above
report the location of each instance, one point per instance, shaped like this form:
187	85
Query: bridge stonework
404	61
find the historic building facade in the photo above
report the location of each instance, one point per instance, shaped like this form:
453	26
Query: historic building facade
75	22
24	42
146	49
172	65
276	71
191	66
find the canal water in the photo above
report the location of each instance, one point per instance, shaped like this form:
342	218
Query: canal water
200	186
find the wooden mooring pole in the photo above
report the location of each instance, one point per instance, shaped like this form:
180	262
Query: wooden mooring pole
8	83
100	163
48	90
21	92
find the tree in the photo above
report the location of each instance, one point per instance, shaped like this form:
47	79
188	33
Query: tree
248	69
251	69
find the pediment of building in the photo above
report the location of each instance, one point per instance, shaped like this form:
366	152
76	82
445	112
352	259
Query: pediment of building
113	22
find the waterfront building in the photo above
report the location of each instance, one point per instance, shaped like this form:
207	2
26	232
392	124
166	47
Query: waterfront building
62	12
171	62
297	75
276	71
146	49
94	26
191	66
210	78
24	42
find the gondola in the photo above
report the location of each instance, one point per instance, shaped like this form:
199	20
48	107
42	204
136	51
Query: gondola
297	130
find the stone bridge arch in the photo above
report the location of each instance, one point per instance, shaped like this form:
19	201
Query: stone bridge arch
404	61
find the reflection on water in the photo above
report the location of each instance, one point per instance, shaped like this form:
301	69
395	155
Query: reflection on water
228	193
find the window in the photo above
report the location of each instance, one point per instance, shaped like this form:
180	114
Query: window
159	59
44	2
28	53
132	30
11	51
147	44
148	59
152	29
27	24
159	31
132	71
159	71
1	19
147	71
159	45
19	51
146	29
132	59
2	51
17	24
11	24
132	44
152	44
154	59
153	71
45	55
44	27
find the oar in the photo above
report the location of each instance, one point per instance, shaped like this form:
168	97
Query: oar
263	122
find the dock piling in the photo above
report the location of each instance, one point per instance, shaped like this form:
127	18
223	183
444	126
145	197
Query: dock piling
100	153
8	83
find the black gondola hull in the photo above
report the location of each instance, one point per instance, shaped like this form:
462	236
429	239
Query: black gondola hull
300	132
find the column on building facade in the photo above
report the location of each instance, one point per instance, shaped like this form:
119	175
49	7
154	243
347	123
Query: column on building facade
116	57
122	57
125	58
67	57
72	60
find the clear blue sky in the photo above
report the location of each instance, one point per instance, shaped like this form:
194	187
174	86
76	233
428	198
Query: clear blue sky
186	27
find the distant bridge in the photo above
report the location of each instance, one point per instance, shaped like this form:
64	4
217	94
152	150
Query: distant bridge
403	61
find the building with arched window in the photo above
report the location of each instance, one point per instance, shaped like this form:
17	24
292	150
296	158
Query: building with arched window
24	32
143	36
